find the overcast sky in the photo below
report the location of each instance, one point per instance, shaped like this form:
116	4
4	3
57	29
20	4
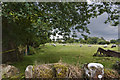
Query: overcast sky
98	28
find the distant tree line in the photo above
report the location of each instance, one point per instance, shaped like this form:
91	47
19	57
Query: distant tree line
89	40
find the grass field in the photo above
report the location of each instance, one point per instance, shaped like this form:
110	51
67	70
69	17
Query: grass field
71	54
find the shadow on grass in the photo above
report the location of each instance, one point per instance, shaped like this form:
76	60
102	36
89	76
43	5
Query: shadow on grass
40	58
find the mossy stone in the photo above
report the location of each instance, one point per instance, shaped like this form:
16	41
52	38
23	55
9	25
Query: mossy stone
42	71
61	70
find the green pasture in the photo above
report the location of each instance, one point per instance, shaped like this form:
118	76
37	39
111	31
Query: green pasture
71	54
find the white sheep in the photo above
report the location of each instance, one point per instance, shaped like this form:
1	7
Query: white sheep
114	45
89	45
105	46
64	44
54	45
80	45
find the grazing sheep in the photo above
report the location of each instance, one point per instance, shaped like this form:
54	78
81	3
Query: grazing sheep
64	44
80	45
118	45
54	45
114	45
105	46
89	45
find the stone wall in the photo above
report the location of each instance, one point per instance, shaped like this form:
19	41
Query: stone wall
57	70
60	70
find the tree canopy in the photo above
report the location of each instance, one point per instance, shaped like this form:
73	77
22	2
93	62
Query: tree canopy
34	22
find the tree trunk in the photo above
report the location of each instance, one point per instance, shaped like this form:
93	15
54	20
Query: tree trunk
10	52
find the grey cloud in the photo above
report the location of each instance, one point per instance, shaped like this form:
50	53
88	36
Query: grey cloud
98	28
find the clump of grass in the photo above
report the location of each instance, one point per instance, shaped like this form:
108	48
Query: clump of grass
110	73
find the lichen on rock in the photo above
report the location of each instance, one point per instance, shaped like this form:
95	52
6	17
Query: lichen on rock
43	71
9	71
75	72
61	70
110	73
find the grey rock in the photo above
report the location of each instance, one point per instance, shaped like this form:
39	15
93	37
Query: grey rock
8	71
94	70
29	72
